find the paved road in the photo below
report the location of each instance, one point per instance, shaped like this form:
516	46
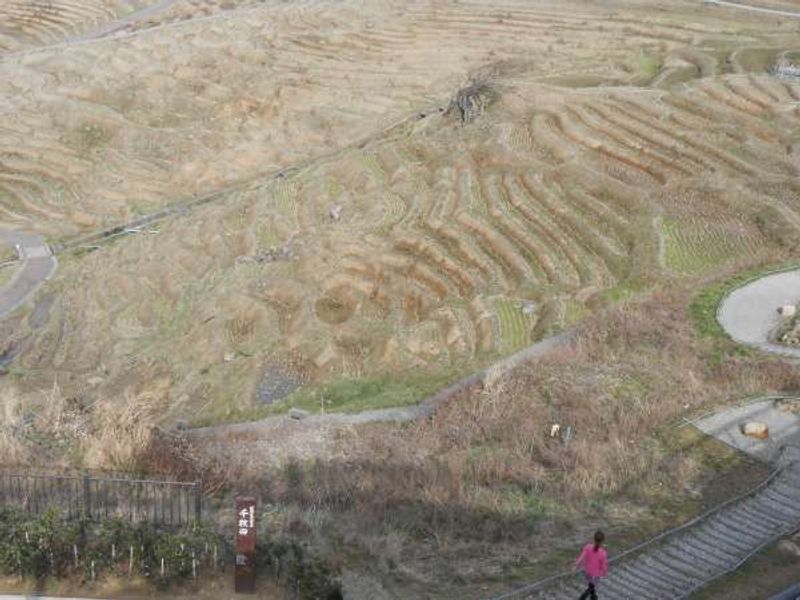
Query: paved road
38	264
750	313
760	9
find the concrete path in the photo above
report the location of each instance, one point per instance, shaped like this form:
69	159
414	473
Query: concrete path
38	264
749	314
407	413
760	9
781	415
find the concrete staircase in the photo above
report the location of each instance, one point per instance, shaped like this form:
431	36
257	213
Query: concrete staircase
681	561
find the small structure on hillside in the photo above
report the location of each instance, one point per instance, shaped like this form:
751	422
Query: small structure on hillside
785	69
470	102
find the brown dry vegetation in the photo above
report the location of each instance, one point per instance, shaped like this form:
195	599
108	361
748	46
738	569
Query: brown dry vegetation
447	231
431	496
624	147
55	430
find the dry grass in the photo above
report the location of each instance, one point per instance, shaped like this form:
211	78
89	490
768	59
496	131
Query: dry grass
633	371
552	197
12	448
482	488
56	430
444	230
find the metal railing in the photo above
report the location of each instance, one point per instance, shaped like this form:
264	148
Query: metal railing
97	496
538	586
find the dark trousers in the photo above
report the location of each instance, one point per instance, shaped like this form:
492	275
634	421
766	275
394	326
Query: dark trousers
589	593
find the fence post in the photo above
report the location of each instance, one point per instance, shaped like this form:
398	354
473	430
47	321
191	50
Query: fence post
198	499
87	496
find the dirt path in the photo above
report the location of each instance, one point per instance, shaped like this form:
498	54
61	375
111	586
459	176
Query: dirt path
749	313
760	9
681	561
38	264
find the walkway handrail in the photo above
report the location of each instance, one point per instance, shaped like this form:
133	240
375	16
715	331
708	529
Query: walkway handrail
538	585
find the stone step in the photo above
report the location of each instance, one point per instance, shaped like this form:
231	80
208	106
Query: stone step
686	559
757	511
680	563
718	535
673	578
743	529
747	522
632	578
710	552
776	503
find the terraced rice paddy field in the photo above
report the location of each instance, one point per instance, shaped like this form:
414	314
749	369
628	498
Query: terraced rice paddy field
362	231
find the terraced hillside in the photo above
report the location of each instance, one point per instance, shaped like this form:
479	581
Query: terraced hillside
99	132
364	232
26	24
447	244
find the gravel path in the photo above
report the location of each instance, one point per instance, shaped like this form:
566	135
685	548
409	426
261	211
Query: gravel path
750	313
38	264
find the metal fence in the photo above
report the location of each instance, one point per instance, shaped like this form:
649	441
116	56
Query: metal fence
97	496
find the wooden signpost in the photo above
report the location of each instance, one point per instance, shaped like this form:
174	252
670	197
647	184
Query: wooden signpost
245	573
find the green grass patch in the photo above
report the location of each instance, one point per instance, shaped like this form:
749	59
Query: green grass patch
351	395
356	395
697	247
649	66
515	326
703	449
624	290
8	273
703	308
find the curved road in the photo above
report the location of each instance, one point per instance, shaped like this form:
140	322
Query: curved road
38	264
749	314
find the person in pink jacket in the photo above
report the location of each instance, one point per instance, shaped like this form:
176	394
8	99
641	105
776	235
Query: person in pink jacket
593	559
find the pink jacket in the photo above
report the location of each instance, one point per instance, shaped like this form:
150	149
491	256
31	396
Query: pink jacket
594	563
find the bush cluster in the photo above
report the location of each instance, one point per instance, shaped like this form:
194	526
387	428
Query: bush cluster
49	545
